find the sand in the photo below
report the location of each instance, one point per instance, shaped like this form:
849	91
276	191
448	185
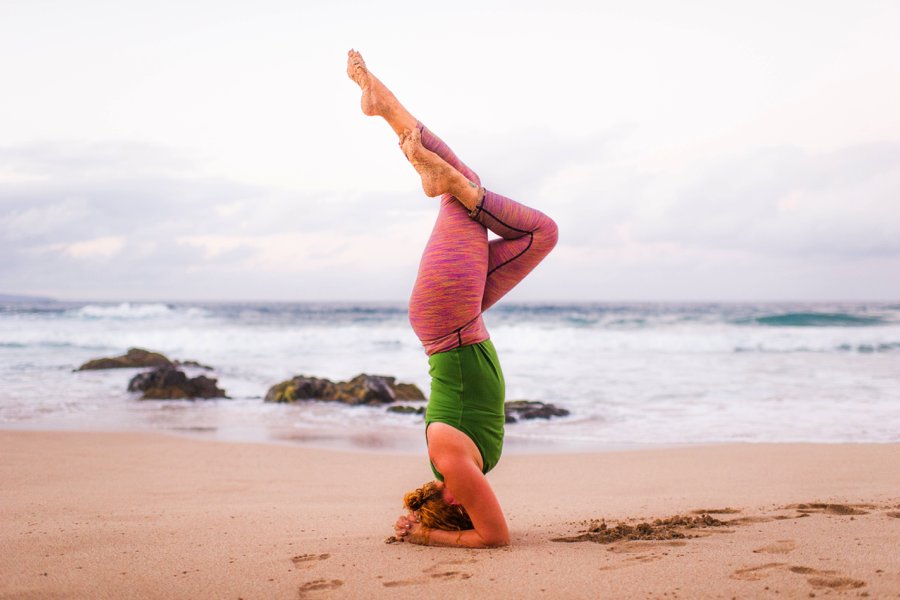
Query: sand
143	515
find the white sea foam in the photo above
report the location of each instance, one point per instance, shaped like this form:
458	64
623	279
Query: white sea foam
628	374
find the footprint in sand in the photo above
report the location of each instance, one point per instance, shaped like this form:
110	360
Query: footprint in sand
819	579
755	573
441	576
446	575
307	560
751	520
831	509
778	547
318	585
827	579
640	551
895	514
715	511
639	546
402	582
644	558
440	571
809	571
835	583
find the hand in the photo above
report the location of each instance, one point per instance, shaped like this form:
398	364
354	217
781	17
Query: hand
404	524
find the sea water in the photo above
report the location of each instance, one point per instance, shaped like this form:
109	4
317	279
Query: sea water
631	374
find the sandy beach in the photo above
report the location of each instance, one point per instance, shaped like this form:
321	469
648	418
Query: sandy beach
144	515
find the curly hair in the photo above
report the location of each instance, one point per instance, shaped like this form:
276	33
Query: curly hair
435	512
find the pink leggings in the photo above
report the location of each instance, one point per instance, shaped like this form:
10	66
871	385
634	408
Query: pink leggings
461	274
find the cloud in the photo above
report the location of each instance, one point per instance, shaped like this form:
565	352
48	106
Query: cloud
772	223
95	160
102	248
777	201
776	222
130	220
522	162
782	201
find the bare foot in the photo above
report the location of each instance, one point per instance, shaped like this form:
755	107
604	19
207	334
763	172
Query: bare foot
377	100
438	177
436	174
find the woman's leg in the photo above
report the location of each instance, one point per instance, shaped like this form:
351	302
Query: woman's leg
460	275
437	145
445	305
526	235
377	100
455	259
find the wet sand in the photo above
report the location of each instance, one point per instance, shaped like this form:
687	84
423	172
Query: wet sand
141	515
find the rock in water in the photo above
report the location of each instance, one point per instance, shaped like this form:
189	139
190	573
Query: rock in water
407	410
362	389
168	383
408	391
134	358
529	409
300	388
192	363
366	389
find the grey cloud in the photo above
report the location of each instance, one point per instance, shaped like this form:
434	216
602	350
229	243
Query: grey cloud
778	201
789	215
785	201
521	162
70	193
113	189
92	160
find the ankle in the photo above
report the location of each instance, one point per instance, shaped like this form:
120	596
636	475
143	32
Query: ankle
468	193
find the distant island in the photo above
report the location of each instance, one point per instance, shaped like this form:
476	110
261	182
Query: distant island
20	298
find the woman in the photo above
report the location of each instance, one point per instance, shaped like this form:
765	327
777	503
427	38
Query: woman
460	276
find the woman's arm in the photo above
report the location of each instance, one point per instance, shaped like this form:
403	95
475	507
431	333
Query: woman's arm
452	453
471	489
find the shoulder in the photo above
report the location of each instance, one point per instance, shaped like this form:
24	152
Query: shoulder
451	448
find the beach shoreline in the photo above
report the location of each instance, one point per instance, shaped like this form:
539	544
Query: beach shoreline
643	373
407	440
150	515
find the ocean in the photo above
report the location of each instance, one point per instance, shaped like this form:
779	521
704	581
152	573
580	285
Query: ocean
631	374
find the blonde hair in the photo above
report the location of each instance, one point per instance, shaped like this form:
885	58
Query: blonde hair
435	512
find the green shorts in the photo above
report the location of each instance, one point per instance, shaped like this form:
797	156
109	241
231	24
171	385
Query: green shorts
467	393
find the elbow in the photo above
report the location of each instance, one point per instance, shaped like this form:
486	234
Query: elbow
496	541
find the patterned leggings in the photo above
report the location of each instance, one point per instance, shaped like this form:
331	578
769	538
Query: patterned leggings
461	274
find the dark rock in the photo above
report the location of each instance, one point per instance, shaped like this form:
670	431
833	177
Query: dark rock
192	363
407	410
408	391
300	388
528	409
134	358
168	383
362	389
366	389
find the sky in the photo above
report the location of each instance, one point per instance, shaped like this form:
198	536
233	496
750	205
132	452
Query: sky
690	151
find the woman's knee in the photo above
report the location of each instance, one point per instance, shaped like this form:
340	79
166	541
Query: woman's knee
546	236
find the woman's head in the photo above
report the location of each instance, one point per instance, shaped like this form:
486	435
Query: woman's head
434	511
